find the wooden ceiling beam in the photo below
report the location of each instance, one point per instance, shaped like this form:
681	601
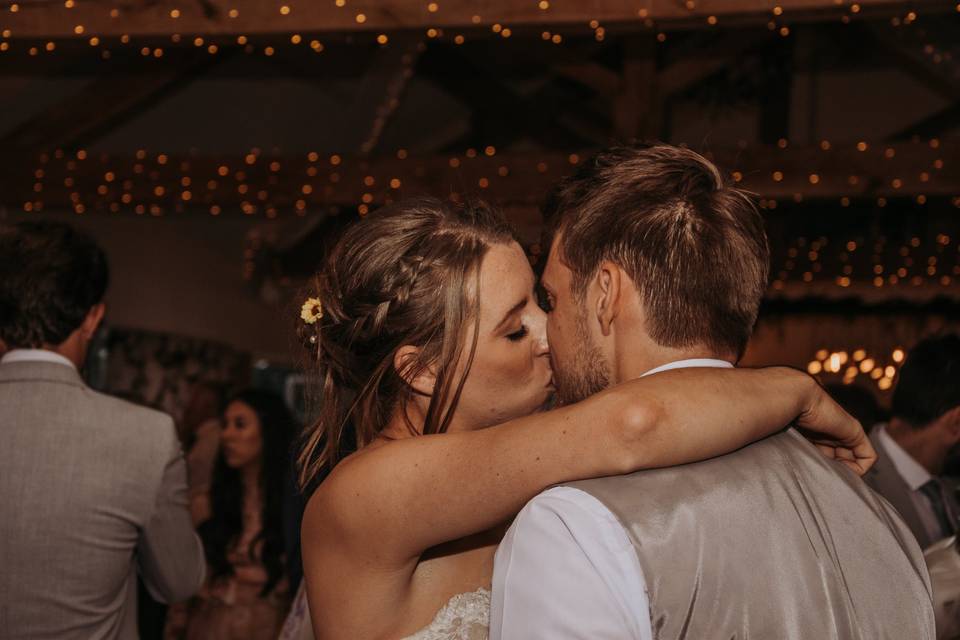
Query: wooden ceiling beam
100	106
49	19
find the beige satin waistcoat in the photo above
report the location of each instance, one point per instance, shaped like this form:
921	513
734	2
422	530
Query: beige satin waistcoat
771	542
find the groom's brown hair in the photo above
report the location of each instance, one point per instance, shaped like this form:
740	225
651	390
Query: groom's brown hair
693	244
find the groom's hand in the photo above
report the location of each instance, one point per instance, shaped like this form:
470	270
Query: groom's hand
836	433
859	458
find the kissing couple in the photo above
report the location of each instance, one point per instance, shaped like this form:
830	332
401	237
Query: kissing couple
666	497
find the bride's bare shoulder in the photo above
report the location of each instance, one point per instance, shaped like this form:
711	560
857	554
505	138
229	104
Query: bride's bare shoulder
350	490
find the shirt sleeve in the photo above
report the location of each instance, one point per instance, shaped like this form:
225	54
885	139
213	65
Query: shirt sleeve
567	569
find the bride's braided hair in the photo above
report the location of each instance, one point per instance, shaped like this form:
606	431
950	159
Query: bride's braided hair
406	275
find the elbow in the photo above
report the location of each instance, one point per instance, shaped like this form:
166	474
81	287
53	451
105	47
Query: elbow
181	589
183	583
181	592
641	418
192	587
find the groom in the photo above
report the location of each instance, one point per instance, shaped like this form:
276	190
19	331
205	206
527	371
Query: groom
656	263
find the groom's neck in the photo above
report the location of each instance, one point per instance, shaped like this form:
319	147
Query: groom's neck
636	359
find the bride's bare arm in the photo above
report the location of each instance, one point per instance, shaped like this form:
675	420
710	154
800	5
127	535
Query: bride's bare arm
396	501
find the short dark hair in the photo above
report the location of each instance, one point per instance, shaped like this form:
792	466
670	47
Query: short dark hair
693	244
929	382
51	275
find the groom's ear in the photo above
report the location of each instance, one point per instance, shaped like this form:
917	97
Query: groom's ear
92	320
608	302
951	424
406	362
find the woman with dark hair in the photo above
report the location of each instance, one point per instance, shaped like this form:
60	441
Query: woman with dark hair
246	594
433	363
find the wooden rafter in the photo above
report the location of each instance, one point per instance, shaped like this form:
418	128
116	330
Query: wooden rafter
691	70
382	88
51	19
100	106
932	125
636	109
500	114
910	56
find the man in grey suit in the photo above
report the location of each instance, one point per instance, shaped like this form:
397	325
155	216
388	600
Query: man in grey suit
658	263
922	435
92	489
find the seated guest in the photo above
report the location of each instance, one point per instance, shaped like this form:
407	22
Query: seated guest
246	595
923	433
92	488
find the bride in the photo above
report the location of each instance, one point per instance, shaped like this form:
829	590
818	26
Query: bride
434	366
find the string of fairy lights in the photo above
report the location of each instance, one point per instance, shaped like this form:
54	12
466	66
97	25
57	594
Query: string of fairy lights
645	16
153	183
158	185
848	367
271	182
908	261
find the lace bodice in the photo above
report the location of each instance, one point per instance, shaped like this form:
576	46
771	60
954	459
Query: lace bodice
465	617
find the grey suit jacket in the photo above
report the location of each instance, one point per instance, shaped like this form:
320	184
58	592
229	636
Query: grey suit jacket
887	481
92	490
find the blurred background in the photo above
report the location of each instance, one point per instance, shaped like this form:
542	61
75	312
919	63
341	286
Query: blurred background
216	147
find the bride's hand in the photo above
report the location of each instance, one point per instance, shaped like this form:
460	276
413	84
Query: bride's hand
835	432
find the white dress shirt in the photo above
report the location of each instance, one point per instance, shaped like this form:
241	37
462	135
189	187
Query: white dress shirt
567	568
35	355
915	476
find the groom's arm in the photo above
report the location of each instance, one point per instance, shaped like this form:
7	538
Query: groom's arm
566	569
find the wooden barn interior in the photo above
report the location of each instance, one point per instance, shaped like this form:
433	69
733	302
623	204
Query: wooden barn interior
216	147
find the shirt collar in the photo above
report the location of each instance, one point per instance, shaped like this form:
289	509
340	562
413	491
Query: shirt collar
909	469
35	355
691	362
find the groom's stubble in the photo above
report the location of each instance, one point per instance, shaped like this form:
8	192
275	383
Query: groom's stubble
587	373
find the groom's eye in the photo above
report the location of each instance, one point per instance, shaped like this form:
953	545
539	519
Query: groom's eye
543	300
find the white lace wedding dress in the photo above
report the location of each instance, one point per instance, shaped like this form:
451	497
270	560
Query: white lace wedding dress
465	617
